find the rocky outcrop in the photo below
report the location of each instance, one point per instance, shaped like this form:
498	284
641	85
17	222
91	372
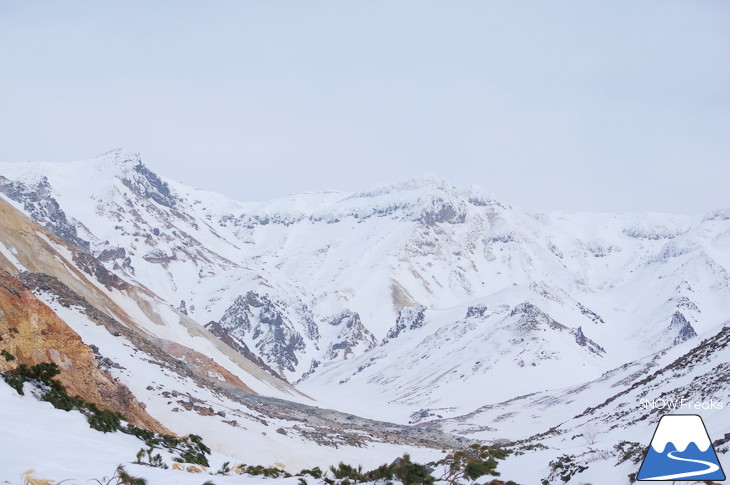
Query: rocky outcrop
531	319
680	329
268	325
476	311
586	343
38	202
157	256
146	184
352	336
596	318
409	318
204	367
118	256
219	331
34	334
91	266
441	210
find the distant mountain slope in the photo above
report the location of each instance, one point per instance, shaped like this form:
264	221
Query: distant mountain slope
322	287
610	436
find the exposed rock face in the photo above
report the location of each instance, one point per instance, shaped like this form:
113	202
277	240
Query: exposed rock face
204	367
33	333
157	256
38	202
93	267
219	331
285	335
265	322
590	314
118	256
441	210
680	328
586	343
408	318
476	311
531	319
353	334
112	254
147	184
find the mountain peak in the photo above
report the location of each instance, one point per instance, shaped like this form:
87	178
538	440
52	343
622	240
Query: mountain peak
424	183
119	156
431	187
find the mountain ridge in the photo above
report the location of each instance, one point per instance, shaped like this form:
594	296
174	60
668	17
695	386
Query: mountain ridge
377	252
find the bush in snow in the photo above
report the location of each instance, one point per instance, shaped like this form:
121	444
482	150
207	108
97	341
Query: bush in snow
563	467
473	462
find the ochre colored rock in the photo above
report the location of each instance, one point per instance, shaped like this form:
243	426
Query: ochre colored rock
33	333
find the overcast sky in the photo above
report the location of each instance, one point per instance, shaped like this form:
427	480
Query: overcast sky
581	105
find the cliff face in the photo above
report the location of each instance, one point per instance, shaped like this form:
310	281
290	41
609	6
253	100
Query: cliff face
33	333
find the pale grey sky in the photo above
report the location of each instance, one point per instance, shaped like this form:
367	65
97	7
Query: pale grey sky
584	105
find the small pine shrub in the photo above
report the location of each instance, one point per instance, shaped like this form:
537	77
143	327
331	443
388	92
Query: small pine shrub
191	449
383	472
258	470
314	472
410	473
564	467
225	469
121	477
8	356
629	450
105	421
347	472
473	462
42	373
152	460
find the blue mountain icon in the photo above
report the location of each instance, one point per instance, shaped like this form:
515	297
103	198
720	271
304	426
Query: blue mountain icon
681	450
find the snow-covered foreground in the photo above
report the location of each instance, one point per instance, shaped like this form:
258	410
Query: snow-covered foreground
59	445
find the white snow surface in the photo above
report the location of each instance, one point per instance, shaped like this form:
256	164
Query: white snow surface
58	445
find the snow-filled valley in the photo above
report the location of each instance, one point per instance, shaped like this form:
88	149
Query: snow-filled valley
323	327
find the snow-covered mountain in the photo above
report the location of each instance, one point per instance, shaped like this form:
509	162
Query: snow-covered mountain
317	278
120	347
416	303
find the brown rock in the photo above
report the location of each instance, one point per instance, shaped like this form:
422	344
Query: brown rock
34	334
